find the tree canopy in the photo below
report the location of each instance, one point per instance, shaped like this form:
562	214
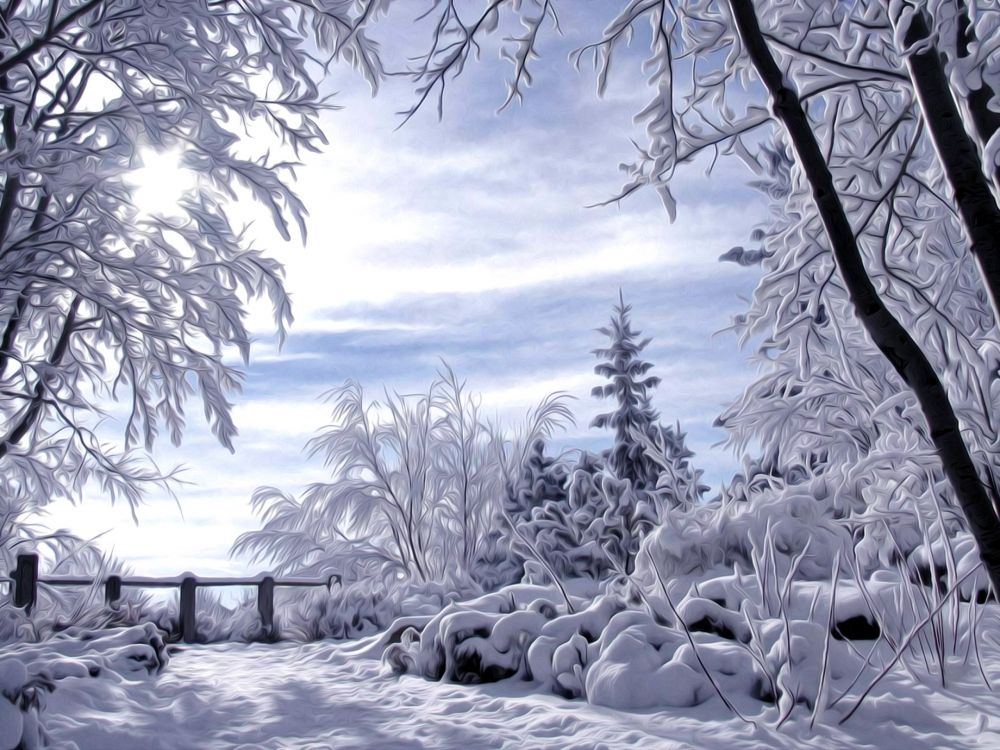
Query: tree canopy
102	303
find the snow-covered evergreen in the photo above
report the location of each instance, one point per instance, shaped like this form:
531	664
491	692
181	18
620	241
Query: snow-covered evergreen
630	389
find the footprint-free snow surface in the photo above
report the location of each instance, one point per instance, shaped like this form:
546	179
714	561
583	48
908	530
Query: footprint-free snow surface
322	695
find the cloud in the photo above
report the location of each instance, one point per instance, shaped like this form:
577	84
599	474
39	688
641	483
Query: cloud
334	324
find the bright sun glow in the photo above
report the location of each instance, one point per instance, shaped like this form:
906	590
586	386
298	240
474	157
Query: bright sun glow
159	182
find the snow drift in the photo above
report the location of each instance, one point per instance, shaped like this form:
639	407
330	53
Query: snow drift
29	671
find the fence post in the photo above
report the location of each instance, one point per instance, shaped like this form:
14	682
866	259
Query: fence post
26	581
189	592
112	590
265	604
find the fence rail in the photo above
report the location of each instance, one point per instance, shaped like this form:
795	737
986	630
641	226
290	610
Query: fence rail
26	580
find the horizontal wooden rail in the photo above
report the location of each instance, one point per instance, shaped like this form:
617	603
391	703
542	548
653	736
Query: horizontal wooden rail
173	583
26	581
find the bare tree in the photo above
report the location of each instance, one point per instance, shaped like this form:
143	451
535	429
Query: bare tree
963	163
415	489
464	464
100	302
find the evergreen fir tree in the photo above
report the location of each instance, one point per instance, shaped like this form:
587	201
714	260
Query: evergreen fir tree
630	386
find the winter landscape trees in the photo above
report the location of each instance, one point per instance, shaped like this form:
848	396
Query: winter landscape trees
425	490
99	300
875	303
415	487
109	309
853	66
861	542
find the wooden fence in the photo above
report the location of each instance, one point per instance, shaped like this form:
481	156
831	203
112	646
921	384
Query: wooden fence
26	579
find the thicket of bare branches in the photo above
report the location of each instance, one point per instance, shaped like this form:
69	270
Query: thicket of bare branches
415	491
104	308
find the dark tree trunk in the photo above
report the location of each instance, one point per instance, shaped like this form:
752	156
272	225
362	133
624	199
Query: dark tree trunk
36	405
956	151
11	329
886	332
12	182
21	303
985	121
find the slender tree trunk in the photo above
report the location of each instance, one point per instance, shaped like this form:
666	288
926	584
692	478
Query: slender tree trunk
985	121
413	549
11	190
466	562
12	181
30	415
886	332
10	330
955	148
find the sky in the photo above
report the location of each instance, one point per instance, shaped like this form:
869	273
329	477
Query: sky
467	240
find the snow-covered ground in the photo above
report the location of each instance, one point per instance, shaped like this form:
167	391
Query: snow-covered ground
324	695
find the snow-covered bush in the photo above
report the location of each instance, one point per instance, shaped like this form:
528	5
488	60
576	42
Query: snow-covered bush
715	536
480	640
62	553
497	564
362	609
21	699
542	480
554	508
608	651
612	504
783	631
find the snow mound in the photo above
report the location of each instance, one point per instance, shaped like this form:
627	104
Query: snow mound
482	640
634	670
606	653
29	671
728	640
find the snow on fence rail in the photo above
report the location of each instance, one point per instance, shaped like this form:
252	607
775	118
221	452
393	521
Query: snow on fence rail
26	579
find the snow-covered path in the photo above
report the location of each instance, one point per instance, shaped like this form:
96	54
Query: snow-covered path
307	697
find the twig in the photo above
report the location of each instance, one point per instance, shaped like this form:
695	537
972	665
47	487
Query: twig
820	691
906	642
694	646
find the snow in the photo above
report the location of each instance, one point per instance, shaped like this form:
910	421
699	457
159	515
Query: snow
11	724
631	673
322	695
28	671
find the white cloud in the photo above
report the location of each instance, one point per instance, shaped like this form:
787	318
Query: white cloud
410	214
335	324
527	392
291	417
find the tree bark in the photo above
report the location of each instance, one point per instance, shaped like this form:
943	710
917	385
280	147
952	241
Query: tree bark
12	181
16	318
985	121
30	415
956	149
886	332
